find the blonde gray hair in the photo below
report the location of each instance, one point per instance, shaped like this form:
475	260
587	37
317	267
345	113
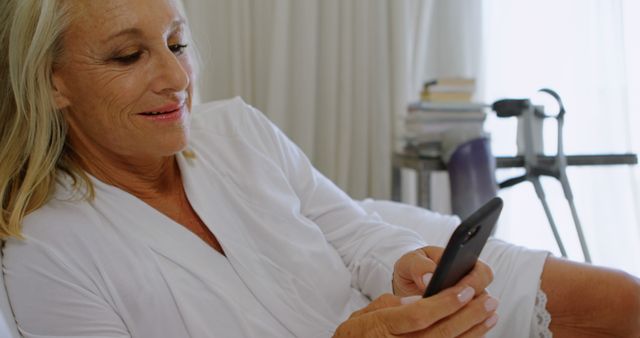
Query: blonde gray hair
32	129
33	148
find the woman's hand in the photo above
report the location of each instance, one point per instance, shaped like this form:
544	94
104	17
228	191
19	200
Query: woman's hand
465	310
454	312
413	271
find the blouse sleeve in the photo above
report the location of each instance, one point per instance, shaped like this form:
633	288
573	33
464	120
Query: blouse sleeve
368	246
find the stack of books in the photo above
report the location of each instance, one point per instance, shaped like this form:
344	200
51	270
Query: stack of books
427	123
449	90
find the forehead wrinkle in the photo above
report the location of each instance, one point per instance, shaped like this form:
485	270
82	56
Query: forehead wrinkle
96	15
88	18
99	17
176	25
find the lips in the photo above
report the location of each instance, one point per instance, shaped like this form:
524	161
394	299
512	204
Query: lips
166	109
168	113
154	113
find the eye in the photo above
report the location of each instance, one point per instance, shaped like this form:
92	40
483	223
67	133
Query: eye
177	48
128	59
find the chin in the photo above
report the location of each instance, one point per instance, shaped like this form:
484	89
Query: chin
176	149
169	146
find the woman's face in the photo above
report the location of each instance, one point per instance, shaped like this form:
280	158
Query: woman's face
124	79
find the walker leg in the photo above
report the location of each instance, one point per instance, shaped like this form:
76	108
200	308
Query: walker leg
569	196
538	187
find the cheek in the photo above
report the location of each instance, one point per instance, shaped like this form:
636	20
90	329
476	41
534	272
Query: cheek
119	91
93	91
102	102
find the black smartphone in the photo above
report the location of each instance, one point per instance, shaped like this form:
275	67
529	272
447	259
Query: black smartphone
464	247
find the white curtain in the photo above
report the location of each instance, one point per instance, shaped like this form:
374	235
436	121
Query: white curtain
450	45
335	74
331	73
454	45
587	50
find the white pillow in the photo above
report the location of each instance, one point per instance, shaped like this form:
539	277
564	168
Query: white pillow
435	228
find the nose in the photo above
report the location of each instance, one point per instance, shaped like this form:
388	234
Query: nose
172	73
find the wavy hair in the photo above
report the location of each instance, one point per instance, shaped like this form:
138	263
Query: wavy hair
33	148
32	129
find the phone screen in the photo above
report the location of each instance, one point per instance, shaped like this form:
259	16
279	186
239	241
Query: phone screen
464	247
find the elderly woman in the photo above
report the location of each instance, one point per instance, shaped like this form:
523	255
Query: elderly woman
128	214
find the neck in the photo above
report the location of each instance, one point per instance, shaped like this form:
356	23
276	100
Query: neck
147	179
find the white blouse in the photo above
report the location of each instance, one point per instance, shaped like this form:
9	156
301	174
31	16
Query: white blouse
301	255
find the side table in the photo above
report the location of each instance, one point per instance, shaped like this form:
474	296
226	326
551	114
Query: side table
425	166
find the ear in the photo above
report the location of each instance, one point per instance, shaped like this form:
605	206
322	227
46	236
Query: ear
59	89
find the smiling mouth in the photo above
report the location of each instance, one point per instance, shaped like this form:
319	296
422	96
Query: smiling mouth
157	113
167	112
163	111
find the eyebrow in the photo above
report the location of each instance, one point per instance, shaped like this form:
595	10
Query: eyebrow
138	32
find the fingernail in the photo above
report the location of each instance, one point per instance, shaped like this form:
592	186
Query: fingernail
491	304
466	294
427	278
491	321
410	299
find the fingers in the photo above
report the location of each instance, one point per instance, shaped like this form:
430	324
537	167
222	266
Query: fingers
470	320
481	329
382	302
425	312
409	273
413	271
455	312
479	278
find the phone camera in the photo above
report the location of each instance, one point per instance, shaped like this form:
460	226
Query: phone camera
471	233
